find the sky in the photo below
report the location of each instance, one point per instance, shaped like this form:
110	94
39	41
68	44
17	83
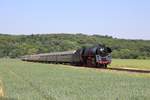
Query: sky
129	19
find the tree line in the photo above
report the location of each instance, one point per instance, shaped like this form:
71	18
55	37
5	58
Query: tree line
18	45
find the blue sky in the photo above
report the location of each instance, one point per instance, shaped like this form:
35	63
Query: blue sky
117	18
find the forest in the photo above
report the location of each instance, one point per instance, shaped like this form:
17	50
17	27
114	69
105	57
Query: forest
15	46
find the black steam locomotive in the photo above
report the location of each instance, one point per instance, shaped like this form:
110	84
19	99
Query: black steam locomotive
96	56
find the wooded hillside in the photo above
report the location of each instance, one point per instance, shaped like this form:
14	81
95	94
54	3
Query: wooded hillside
18	45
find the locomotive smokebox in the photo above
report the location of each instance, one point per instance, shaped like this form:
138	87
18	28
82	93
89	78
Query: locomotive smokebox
96	56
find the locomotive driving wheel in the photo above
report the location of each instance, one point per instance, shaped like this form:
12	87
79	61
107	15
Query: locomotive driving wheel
102	65
105	65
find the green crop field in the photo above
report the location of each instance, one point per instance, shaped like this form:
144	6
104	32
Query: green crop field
37	81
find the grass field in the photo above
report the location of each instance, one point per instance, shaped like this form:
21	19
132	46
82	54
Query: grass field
36	81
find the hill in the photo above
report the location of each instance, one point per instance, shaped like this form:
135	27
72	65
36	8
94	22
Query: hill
18	45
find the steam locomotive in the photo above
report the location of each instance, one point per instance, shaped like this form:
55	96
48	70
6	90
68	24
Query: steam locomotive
96	56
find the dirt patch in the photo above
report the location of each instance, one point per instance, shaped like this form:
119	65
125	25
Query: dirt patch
1	89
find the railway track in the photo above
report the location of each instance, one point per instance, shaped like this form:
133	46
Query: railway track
130	70
121	69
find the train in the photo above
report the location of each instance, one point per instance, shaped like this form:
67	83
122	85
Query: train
95	56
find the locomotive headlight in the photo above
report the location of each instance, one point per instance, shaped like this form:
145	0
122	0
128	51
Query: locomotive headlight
101	49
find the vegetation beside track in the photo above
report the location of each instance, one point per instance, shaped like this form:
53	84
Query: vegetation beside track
130	63
39	81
